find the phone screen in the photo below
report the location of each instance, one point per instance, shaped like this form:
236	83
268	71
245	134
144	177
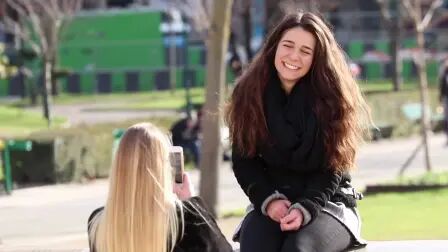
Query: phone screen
177	162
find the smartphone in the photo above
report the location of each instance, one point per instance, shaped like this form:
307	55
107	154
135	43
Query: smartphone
177	162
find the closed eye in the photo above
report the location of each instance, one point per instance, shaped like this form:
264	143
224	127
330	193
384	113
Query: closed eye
306	52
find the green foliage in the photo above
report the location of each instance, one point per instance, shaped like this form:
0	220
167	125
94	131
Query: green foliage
97	143
73	154
386	109
6	69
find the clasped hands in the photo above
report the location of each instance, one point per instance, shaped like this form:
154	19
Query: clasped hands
278	210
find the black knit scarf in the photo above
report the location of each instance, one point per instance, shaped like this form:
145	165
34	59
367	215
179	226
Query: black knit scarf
296	141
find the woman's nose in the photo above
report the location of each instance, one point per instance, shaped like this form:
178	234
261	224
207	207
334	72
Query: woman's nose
295	56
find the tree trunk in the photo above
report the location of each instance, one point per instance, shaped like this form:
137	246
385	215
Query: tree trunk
32	89
172	60
46	85
211	155
397	66
247	31
54	81
33	93
423	83
273	14
395	37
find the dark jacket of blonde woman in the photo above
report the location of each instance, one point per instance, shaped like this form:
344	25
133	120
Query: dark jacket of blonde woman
201	232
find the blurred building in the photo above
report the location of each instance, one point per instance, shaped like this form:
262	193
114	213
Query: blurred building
133	45
359	28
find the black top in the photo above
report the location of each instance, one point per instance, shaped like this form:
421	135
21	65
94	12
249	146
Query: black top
293	162
198	235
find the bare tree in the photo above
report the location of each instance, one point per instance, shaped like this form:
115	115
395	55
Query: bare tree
213	21
94	4
276	9
241	30
40	25
393	24
421	22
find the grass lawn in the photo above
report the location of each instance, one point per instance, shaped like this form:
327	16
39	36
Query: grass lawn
403	216
385	105
176	99
429	178
16	121
140	100
399	216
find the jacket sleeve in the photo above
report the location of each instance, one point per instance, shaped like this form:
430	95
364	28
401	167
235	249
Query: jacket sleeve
89	227
321	186
251	175
201	232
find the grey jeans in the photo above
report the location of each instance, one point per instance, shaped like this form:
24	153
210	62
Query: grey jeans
323	234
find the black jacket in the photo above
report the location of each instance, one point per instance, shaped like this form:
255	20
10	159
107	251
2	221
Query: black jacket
198	235
293	162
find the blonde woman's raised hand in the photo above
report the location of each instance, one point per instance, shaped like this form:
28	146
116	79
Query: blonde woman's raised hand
184	190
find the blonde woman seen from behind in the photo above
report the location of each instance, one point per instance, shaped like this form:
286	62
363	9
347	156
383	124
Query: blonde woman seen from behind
145	210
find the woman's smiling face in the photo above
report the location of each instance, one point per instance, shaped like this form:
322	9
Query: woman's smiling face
294	56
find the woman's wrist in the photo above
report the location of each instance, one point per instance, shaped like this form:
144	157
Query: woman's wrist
305	213
275	196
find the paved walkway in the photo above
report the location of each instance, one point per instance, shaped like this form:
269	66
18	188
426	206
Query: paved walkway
100	113
55	216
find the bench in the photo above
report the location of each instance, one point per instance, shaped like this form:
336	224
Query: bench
403	246
373	246
406	246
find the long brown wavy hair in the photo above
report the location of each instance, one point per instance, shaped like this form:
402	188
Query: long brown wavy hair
342	113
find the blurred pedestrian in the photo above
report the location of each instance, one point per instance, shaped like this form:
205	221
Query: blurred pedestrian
186	132
296	117
145	209
443	95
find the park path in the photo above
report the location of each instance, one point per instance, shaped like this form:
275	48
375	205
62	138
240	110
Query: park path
93	113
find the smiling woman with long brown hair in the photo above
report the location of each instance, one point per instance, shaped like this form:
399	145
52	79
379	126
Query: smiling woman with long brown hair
296	117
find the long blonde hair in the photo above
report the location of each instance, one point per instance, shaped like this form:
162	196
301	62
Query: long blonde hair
140	213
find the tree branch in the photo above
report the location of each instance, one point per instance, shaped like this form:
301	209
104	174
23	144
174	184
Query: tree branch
26	12
385	13
44	18
15	28
196	11
428	16
411	10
